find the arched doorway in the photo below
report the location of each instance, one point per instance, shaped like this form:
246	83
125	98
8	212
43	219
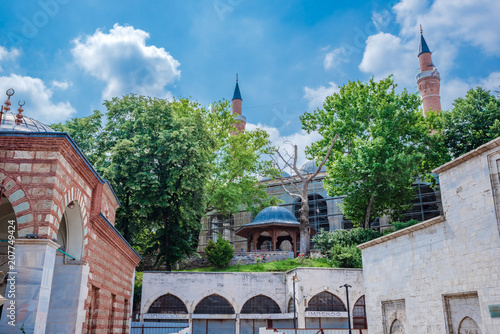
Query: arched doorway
203	323
326	301
253	307
8	228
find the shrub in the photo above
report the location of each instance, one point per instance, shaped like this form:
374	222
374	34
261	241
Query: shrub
401	225
219	252
325	241
344	257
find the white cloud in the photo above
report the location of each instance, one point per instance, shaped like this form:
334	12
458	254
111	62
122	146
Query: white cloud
381	19
301	139
38	98
455	88
317	96
472	22
62	85
335	58
386	54
122	60
6	55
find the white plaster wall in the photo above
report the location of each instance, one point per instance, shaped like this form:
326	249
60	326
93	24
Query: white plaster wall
238	288
460	254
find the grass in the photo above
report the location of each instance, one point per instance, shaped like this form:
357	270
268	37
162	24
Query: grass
277	266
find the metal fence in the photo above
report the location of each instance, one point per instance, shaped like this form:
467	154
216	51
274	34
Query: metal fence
157	327
313	331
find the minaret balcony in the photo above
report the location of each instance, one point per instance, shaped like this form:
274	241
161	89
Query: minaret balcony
424	74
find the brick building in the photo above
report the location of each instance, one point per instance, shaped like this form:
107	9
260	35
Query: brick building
73	270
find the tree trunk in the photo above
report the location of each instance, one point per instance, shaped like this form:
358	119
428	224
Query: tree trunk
368	212
305	229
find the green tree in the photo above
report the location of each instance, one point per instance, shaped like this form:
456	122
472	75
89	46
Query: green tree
84	131
473	121
219	252
384	144
237	161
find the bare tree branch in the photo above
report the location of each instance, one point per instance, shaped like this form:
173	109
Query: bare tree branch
325	159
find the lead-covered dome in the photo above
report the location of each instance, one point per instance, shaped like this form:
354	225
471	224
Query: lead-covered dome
28	124
310	168
274	215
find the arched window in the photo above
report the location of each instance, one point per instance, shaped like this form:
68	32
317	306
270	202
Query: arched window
214	304
168	304
397	327
290	306
359	314
318	212
260	304
468	325
325	301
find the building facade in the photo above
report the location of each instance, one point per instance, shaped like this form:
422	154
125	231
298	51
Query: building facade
65	267
442	275
242	303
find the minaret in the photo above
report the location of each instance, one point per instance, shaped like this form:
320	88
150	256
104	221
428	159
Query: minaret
237	102
428	79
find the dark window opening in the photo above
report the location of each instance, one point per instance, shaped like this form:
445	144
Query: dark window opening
260	304
214	304
168	304
326	301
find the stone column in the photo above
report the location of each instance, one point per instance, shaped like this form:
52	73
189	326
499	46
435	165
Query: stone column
34	268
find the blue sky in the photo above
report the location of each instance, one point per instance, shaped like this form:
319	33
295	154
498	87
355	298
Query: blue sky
64	57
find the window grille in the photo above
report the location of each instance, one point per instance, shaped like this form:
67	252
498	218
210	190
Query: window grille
260	304
214	304
359	314
168	304
326	301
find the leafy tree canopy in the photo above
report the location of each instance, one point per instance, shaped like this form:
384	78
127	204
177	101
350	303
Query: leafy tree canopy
384	145
473	121
170	163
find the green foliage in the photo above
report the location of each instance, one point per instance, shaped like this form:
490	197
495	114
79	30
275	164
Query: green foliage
138	287
85	131
170	163
325	241
384	144
473	121
401	225
219	252
344	257
276	266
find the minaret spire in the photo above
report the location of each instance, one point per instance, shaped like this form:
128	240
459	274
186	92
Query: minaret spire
237	108
428	80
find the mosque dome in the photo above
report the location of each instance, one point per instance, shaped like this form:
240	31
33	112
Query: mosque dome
310	167
274	215
28	124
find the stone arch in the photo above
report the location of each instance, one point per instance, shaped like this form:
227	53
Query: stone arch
214	304
468	326
397	327
20	201
154	297
70	231
260	304
326	301
168	303
8	234
290	306
210	292
318	211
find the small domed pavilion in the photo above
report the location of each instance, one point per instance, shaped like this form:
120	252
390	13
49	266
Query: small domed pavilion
272	225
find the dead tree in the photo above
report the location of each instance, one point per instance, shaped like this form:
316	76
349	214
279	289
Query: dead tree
299	185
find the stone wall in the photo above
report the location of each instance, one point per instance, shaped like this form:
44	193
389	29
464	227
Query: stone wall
238	288
430	266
